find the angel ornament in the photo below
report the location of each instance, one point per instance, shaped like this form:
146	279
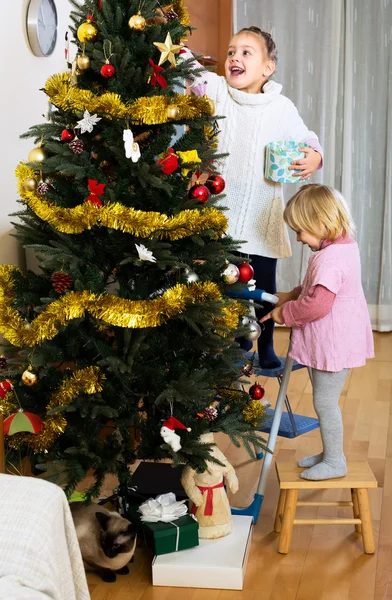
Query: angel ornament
131	147
209	502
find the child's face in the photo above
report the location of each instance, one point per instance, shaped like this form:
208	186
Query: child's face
313	240
247	65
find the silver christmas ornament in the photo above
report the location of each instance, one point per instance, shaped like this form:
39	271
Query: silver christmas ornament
253	332
231	273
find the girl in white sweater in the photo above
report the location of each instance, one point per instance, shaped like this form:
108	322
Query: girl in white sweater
256	114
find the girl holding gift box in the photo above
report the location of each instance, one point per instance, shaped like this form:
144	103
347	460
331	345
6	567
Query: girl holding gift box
331	330
257	113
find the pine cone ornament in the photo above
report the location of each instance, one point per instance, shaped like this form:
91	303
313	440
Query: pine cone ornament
170	15
43	188
3	362
210	413
61	281
76	146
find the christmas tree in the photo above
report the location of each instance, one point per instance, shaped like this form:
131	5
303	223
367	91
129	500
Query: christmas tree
127	323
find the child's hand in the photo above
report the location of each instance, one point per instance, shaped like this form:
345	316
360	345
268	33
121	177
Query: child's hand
308	165
276	315
283	298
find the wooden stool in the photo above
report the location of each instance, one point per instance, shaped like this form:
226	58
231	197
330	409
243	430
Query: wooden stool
358	479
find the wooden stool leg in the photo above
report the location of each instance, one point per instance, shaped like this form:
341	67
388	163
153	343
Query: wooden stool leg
366	518
358	528
288	521
280	511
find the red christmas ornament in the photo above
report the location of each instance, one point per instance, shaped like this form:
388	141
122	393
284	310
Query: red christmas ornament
61	281
199	192
67	135
246	272
96	190
5	387
108	71
169	161
156	77
22	422
216	184
100	4
256	391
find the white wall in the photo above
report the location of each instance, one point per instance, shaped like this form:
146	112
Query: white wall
21	105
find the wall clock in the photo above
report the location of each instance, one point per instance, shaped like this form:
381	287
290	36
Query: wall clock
41	25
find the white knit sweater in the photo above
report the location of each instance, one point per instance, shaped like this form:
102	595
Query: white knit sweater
253	120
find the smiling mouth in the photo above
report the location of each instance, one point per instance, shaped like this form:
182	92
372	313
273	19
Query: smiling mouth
236	71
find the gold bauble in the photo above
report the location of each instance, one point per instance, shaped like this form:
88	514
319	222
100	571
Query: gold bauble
137	22
30	184
212	106
29	378
87	32
37	155
173	112
83	62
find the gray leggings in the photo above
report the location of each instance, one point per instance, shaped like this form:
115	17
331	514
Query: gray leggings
327	387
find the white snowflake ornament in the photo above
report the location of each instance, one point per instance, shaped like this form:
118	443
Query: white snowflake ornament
145	254
132	149
88	122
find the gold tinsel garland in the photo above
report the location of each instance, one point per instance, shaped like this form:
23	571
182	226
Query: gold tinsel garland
253	412
145	110
87	381
105	307
117	216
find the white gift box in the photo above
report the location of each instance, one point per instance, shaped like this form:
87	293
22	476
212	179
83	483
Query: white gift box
278	158
218	564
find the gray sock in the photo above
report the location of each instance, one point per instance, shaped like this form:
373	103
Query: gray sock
310	461
326	391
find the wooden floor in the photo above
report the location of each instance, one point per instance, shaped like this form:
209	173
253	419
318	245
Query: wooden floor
325	563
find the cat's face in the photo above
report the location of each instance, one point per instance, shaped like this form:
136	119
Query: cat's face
117	534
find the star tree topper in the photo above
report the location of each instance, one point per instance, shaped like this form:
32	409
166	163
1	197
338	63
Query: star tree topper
168	50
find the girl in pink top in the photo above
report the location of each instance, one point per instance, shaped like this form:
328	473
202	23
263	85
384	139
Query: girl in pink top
328	314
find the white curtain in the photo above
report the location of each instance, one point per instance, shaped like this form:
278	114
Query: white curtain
335	63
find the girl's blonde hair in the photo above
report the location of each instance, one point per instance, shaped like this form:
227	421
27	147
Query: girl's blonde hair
317	206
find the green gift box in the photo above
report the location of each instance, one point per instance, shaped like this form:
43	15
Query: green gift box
163	538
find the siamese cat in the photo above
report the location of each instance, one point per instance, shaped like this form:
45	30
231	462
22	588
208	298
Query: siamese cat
107	541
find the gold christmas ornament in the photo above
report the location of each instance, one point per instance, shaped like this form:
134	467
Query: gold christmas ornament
30	184
29	378
37	155
137	22
83	62
212	105
168	50
87	32
173	112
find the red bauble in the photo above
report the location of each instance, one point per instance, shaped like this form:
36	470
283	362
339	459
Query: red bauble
216	184
199	192
256	391
67	135
246	272
5	387
108	71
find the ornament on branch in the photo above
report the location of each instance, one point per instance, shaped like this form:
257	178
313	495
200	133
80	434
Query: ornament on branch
173	112
199	192
43	188
88	31
132	149
168	50
170	436
254	329
107	70
169	161
191	276
256	391
216	184
188	157
83	62
144	253
30	184
88	122
67	135
77	146
247	370
253	412
99	2
137	22
37	155
210	413
96	190
29	377
156	76
22	422
170	15
3	362
246	272
5	387
231	274
61	281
